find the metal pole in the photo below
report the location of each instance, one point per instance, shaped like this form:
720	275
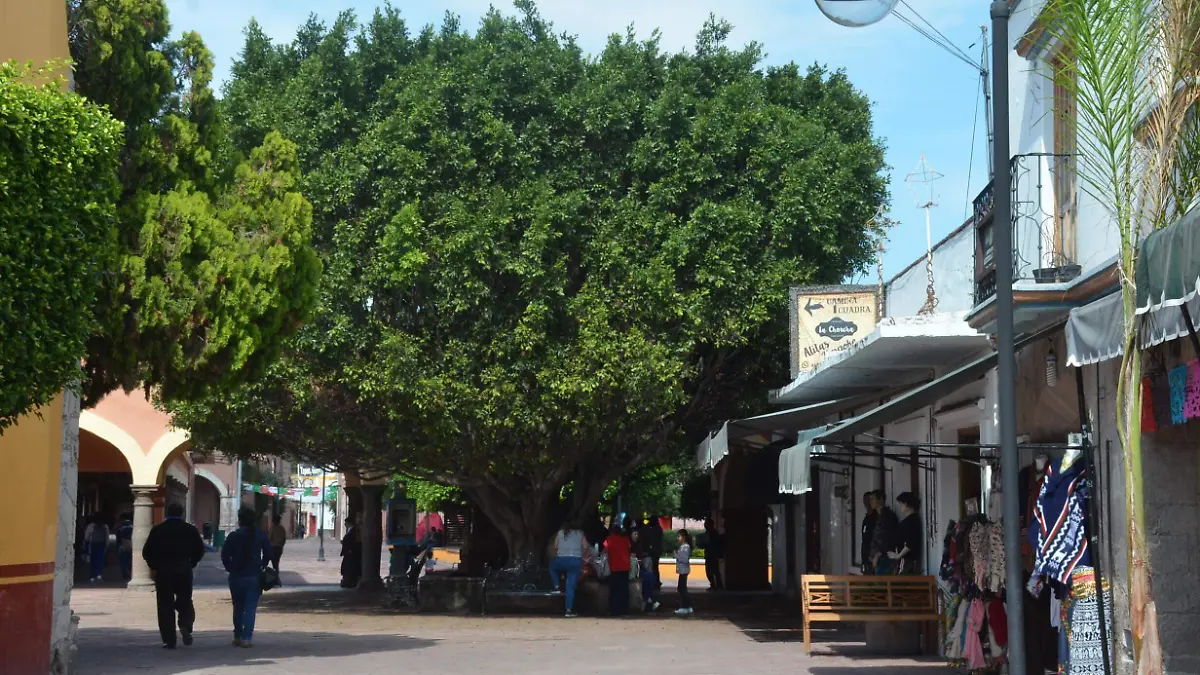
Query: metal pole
1010	461
321	521
1091	520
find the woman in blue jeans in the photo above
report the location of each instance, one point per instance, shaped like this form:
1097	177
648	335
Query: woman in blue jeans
246	553
569	545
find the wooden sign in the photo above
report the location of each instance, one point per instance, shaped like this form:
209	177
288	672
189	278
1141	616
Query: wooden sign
827	320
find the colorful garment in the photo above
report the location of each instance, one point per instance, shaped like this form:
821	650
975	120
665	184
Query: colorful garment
1082	624
980	545
1058	528
996	558
973	650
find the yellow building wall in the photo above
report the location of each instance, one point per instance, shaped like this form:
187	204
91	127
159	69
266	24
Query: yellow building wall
33	30
36	31
32	452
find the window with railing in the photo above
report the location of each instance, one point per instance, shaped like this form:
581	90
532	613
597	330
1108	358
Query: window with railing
1063	165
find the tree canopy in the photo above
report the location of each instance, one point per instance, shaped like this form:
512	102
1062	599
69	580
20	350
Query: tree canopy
213	264
58	177
543	268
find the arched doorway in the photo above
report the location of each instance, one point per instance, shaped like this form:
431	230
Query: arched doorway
206	504
105	477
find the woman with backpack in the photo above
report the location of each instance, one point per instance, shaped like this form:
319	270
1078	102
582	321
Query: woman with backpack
247	552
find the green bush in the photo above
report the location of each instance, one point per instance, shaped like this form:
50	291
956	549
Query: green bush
58	235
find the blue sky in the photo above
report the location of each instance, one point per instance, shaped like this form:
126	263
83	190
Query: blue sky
924	99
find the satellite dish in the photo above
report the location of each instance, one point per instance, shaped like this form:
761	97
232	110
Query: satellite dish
856	13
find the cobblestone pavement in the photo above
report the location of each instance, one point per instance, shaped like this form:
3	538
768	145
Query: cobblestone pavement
327	632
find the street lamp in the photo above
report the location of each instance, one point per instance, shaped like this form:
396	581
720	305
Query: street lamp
865	12
321	521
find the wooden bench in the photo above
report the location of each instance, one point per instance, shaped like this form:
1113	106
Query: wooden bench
862	598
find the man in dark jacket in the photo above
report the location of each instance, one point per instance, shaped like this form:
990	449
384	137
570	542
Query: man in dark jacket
172	550
868	533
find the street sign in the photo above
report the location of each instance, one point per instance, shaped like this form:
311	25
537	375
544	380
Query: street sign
827	320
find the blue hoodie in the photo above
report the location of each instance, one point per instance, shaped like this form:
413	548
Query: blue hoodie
239	561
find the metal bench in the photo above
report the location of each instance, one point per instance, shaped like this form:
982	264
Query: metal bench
851	599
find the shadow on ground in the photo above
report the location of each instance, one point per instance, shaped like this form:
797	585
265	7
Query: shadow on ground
141	651
931	669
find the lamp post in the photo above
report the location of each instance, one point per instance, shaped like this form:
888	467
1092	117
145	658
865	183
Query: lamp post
321	521
865	12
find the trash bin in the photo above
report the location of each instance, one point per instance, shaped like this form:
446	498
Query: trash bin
218	539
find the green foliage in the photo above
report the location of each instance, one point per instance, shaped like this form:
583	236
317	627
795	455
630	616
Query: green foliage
429	496
695	500
542	268
215	265
58	178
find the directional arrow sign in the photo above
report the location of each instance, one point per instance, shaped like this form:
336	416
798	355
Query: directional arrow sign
810	306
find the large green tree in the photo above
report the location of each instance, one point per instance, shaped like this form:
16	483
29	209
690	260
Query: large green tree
542	268
214	264
58	194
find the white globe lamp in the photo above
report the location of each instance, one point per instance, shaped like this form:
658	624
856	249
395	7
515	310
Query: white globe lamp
856	13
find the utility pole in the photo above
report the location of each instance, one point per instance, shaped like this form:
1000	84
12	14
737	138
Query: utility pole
1010	461
321	520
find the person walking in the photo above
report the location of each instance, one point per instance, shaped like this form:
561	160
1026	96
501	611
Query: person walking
868	534
618	547
909	540
351	555
654	546
569	545
173	548
713	553
278	540
125	545
683	567
247	552
96	536
884	536
639	538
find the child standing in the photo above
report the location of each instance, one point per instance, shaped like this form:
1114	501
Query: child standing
683	567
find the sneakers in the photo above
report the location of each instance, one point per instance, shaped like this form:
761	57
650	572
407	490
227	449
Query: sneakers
246	644
684	611
571	614
655	605
187	638
237	642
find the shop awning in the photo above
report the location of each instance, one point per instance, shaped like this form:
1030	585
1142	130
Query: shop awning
713	449
897	354
1168	265
922	396
1096	331
795	464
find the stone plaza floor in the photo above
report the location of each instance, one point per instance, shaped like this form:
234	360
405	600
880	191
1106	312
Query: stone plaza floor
313	628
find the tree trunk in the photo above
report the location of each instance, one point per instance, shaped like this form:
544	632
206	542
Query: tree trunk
526	521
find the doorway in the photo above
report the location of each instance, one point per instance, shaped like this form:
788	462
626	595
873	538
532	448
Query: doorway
970	482
812	525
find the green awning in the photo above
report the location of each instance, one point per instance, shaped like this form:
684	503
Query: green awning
1168	266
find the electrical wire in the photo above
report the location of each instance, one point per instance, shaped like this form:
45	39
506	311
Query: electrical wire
935	36
971	160
960	52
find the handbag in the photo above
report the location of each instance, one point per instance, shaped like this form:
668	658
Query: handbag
602	569
268	578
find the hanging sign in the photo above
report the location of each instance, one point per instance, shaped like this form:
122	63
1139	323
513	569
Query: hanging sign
827	320
287	493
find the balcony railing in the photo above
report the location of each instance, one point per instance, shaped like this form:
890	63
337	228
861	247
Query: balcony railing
1036	218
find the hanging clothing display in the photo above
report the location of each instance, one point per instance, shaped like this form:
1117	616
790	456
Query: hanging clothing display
972	572
1081	623
1058	534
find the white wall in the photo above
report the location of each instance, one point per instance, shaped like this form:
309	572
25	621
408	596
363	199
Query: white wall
953	278
1031	125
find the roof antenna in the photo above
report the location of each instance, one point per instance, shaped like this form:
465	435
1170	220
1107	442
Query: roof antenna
920	183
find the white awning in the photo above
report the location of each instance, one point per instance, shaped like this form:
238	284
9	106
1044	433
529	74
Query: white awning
1096	331
795	463
900	352
763	430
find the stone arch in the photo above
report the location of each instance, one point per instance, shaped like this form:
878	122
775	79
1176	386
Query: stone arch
161	453
222	489
116	437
